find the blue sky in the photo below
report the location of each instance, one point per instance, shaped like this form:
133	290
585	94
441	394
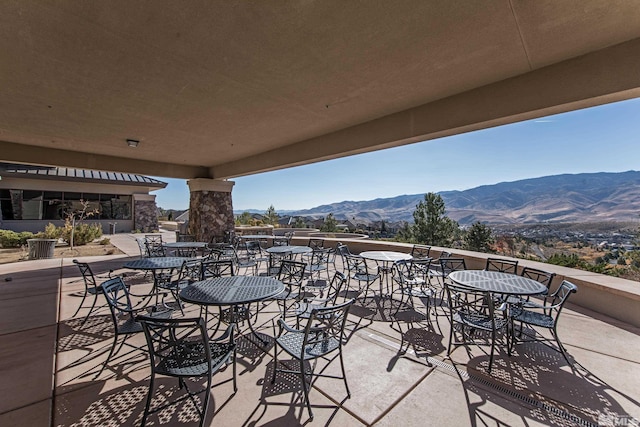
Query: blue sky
598	139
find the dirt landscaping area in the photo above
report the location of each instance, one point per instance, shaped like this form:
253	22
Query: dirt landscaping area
61	251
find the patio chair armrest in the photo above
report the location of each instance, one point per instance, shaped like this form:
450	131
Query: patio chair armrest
229	334
150	314
314	300
145	299
283	326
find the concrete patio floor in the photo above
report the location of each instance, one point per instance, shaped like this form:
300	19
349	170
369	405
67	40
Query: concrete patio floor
48	362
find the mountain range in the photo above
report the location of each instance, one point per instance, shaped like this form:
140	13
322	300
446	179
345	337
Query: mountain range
586	197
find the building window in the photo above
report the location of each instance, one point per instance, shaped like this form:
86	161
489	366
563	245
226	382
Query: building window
31	204
55	205
6	207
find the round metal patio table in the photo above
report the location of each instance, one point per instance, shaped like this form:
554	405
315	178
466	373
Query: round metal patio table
233	291
256	236
155	263
264	237
383	259
497	282
295	250
290	251
186	248
186	245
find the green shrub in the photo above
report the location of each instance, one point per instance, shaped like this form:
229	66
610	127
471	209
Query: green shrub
11	239
50	232
106	241
83	234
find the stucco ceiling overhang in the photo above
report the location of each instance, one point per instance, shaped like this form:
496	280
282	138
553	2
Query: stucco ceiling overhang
228	88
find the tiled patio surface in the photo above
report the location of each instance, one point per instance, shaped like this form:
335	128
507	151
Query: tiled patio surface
48	368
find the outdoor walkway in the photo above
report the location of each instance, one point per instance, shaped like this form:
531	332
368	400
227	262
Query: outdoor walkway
48	363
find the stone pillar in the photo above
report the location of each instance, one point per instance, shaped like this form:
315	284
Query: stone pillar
210	208
145	213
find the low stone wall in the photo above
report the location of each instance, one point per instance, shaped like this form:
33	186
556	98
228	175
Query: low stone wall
296	231
254	229
327	235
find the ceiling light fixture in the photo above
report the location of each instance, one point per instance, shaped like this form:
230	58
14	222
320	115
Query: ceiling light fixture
133	142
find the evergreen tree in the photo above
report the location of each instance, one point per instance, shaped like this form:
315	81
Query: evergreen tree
330	224
405	234
244	219
299	223
271	217
431	225
478	238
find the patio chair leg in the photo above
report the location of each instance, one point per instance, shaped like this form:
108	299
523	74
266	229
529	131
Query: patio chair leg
493	344
561	347
95	299
275	363
111	353
344	376
235	385
305	390
207	395
428	309
148	404
400	304
84	296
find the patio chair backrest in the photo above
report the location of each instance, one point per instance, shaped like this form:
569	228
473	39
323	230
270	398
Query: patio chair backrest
191	270
87	274
155	249
291	273
316	243
216	268
541	276
335	287
142	247
167	338
450	265
502	265
274	261
185	238
555	302
324	332
410	271
342	250
420	251
117	295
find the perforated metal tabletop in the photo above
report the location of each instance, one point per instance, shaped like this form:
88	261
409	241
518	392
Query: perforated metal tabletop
155	263
496	282
234	290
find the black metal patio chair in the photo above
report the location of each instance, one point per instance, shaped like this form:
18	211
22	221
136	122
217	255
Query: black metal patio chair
91	288
123	316
412	279
471	313
330	297
360	272
544	316
322	338
181	348
292	275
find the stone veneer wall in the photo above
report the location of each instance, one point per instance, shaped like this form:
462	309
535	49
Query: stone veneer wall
145	216
210	214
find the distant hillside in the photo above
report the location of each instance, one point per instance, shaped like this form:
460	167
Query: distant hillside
588	197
